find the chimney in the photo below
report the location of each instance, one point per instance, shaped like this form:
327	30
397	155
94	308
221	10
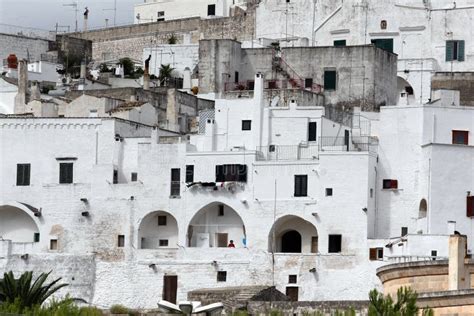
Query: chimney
35	92
86	17
187	79
20	98
82	79
172	110
83	70
146	74
258	110
458	274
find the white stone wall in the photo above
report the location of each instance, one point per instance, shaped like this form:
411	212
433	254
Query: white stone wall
178	56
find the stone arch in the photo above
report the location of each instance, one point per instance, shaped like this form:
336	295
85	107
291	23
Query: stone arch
423	209
17	223
215	225
406	93
158	229
284	234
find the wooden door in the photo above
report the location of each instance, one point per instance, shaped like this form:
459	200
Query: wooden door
292	293
222	239
170	288
314	244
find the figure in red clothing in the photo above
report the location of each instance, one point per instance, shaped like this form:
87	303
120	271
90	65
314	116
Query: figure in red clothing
231	244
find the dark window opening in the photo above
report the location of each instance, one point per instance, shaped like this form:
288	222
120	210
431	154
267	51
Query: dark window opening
66	172
340	43
292	293
404	231
460	137
271	148
434	254
175	182
301	185
115	180
335	242
308	83
246	125
384	43
236	77
409	90
292	279
161	17
328	191
211	9
221	210
470	206
121	241
272	85
291	242
312	131
162	220
36	237
376	253
330	80
163	242
454	50
231	173
221	276
23	174
390	184
134	177
53	244
189	173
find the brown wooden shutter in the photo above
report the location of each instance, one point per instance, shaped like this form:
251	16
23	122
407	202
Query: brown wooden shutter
394	184
470	206
373	254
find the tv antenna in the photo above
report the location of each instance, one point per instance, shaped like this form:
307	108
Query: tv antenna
115	12
76	9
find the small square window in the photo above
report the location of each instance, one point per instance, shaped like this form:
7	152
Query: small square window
121	241
162	220
330	80
404	231
221	210
53	244
211	9
292	279
460	137
390	184
328	191
380	253
163	242
66	172
246	125
339	43
308	83
134	177
189	173
301	185
376	253
23	174
36	237
434	254
335	242
161	17
221	276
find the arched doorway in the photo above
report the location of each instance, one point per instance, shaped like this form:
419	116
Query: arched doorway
17	225
406	92
291	242
293	234
423	209
215	225
158	230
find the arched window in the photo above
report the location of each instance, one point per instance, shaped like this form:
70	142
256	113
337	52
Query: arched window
158	230
423	209
17	225
292	234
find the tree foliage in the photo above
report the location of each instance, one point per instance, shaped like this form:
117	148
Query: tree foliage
24	291
65	307
166	72
405	304
128	66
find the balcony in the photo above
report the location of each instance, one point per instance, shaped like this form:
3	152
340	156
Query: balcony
298	84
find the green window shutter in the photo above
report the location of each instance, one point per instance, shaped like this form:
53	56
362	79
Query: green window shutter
384	43
389	45
339	43
460	50
449	50
330	80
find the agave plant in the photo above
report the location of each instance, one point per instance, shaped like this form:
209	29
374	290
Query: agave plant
25	292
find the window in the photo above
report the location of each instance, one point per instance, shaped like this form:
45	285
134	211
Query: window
404	231
93	113
211	9
434	254
312	132
301	185
162	220
335	243
292	279
161	17
409	90
66	172
470	206
329	80
115	180
371	193
390	184
328	191
308	83
384	43
236	77
376	253
53	244
231	173
272	84
271	148
221	210
163	243
36	237
134	177
221	276
339	43
189	173
246	125
23	174
121	241
460	137
454	50
175	179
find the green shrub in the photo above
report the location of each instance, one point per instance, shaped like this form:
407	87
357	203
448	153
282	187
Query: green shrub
119	309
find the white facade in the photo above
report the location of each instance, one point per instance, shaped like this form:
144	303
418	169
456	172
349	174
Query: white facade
179	57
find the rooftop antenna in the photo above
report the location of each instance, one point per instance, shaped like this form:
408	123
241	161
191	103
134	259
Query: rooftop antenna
115	12
76	9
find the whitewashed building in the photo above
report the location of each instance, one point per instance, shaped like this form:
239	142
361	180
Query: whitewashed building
134	213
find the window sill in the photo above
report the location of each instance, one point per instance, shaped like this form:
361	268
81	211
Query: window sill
392	189
175	196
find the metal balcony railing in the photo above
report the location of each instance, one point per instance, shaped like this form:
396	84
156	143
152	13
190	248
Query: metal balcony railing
272	84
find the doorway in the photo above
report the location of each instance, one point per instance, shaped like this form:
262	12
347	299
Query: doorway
291	242
170	288
292	293
222	239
